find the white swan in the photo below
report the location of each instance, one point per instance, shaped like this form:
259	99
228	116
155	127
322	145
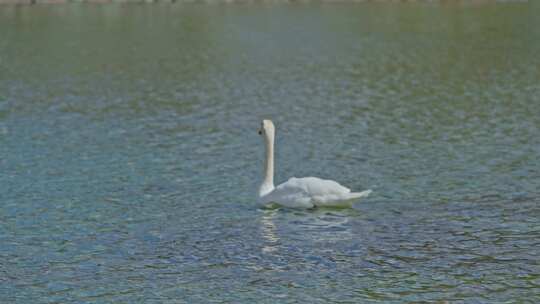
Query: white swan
306	192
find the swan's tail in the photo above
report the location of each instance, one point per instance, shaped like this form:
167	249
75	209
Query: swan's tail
356	195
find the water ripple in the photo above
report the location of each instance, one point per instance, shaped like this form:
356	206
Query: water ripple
129	169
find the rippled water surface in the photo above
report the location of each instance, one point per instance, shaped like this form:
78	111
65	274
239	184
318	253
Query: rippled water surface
129	156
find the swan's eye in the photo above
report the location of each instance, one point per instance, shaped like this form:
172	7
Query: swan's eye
260	132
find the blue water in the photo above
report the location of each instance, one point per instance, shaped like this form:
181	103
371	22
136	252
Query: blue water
129	157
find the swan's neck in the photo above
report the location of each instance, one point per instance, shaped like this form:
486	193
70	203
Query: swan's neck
268	183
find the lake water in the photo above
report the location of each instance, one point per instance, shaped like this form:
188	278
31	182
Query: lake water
129	157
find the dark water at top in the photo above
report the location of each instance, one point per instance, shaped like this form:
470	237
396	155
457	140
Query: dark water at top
129	157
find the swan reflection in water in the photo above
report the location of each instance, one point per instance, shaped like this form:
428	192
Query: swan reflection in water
281	226
269	232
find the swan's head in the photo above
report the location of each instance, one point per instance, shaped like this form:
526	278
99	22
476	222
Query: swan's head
267	128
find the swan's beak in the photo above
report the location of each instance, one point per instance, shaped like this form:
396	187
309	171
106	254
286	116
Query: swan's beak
260	132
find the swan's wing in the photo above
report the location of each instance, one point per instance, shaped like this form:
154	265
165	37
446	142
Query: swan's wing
289	194
316	186
323	192
307	192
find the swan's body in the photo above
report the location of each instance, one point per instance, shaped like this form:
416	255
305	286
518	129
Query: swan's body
306	192
309	192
